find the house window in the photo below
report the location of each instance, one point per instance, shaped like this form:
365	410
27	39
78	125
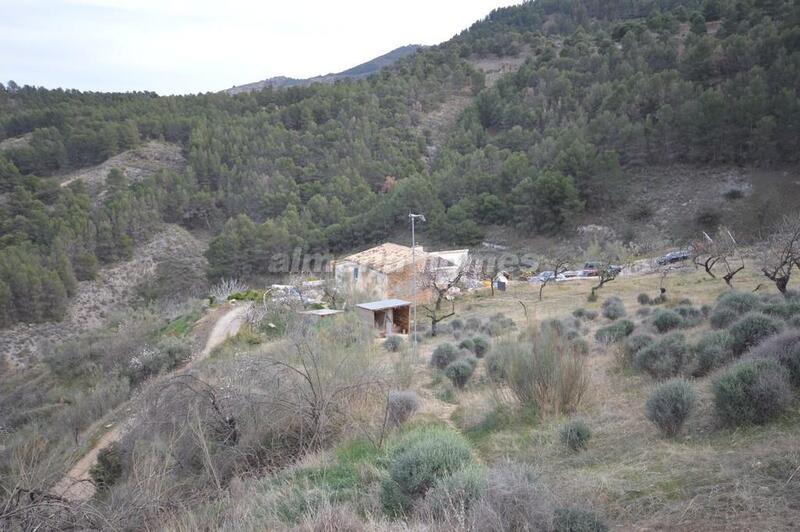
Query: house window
355	273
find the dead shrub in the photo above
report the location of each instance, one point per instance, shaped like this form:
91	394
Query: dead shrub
451	497
332	518
543	370
512	500
400	406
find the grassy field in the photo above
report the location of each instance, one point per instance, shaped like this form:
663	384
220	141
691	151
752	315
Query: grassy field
710	478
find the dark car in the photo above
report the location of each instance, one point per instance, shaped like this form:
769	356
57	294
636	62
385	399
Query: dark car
593	268
673	257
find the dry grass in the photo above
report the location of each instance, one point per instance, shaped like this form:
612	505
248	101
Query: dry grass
710	479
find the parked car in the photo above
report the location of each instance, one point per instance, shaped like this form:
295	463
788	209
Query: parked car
593	268
542	277
673	257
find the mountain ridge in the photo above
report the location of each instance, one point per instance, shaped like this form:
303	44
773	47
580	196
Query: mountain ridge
359	71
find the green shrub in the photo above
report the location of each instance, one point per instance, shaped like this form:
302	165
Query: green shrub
456	324
633	344
108	468
443	355
472	324
480	346
495	365
713	350
614	332
722	317
691	316
393	343
751	391
739	302
453	494
752	329
590	315
575	435
579	312
783	308
498	325
666	320
580	346
460	370
592	297
643	299
573	519
467	344
669	406
417	460
663	358
247	295
613	308
784	349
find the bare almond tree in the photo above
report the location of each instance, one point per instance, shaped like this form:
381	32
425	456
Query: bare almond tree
556	262
781	252
721	250
607	271
439	281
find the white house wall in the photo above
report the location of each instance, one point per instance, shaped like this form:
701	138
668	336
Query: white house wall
369	282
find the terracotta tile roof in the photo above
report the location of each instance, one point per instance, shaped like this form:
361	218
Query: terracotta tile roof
386	258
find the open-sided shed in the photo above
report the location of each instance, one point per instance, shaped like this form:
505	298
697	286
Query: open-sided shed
389	316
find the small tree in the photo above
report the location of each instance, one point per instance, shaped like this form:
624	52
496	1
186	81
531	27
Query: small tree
722	250
782	252
439	281
555	261
609	265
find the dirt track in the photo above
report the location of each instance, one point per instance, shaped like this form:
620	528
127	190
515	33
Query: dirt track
77	484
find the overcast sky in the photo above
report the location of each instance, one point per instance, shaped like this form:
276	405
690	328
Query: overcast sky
182	46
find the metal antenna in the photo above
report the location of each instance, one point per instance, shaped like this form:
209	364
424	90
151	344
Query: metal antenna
414	218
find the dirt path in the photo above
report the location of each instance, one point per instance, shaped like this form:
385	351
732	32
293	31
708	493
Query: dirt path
77	484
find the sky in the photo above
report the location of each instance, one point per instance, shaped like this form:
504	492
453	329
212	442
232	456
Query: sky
190	46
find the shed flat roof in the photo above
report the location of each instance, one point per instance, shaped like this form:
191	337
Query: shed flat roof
384	304
321	312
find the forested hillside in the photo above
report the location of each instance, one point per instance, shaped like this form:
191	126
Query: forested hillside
606	85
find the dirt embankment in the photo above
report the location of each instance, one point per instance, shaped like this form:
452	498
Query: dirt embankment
137	164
